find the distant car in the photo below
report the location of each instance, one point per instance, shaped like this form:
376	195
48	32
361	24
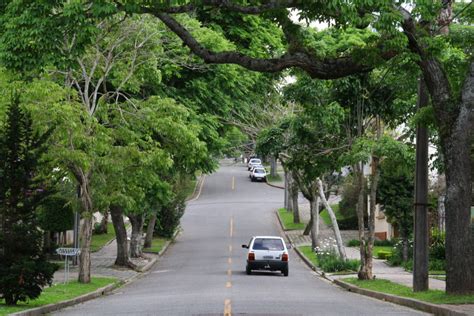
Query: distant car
253	161
267	253
253	167
258	174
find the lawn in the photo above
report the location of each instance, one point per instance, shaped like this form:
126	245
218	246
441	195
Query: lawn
325	215
57	293
287	220
99	241
157	245
432	296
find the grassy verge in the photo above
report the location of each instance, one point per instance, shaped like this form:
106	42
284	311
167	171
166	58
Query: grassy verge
431	296
309	253
156	245
57	293
287	220
325	215
276	178
99	241
189	188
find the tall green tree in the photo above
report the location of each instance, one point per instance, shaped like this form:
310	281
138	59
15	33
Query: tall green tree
24	270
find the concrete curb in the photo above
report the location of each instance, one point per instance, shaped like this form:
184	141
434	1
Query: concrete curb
274	185
196	189
77	300
408	302
160	253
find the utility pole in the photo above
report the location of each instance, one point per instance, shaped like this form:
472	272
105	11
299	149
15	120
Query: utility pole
420	247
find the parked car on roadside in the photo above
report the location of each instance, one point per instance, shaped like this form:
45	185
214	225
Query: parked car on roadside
253	161
258	174
267	253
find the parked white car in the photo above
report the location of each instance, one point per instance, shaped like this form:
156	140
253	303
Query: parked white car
253	161
258	174
267	253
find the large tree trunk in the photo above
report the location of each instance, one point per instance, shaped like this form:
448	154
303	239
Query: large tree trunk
149	230
335	226
459	231
122	258
137	233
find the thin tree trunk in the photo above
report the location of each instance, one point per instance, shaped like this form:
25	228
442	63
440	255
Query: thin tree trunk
371	218
104	222
273	167
149	230
335	226
85	235
137	233
288	199
294	199
314	205
122	258
364	273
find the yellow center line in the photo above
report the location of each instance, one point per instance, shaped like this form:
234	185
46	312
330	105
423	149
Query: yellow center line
229	261
229	272
230	248
228	284
227	308
233	182
231	226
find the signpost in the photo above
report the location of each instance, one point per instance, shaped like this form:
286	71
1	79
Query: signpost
67	252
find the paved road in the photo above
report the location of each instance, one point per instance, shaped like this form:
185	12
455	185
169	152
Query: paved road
203	272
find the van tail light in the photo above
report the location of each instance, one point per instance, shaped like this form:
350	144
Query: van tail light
284	257
251	256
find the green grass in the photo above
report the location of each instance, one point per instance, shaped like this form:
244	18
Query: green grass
277	178
189	188
287	220
156	245
99	241
325	215
381	248
57	293
309	253
432	296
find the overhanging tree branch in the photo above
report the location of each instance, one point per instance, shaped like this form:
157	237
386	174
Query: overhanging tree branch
316	68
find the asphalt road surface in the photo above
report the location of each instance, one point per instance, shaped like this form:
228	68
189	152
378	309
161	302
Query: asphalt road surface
203	272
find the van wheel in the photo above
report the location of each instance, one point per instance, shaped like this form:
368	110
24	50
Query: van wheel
248	270
285	271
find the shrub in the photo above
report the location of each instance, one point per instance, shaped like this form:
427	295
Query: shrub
353	243
168	219
349	223
437	265
397	254
329	261
382	254
55	214
437	245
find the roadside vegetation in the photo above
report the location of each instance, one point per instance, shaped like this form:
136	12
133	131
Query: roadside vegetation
287	220
57	293
157	245
431	296
329	261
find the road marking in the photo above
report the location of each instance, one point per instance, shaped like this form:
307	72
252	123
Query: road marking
228	284
231	226
229	261
227	308
200	189
230	248
229	272
233	182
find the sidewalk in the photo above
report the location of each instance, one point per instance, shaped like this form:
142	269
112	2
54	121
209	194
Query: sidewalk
102	265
